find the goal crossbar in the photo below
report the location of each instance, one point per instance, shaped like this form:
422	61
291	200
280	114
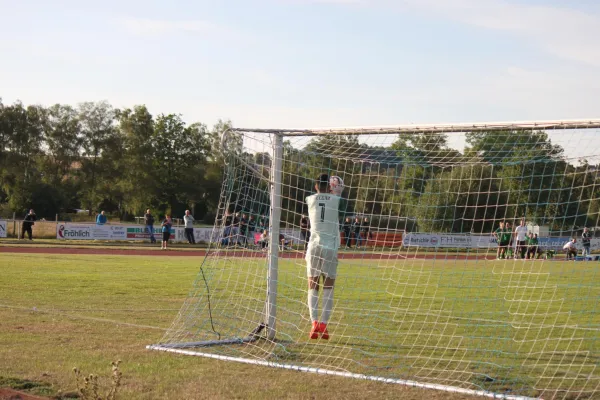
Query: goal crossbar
433	128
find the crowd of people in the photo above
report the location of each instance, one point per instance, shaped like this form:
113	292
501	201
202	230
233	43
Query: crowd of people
522	244
242	230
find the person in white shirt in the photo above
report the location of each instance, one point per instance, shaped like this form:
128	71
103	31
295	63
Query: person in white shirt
189	227
570	249
521	234
321	252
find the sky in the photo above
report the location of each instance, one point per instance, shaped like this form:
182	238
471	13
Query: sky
309	63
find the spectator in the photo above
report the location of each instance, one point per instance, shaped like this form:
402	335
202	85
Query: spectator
356	231
244	230
264	240
366	228
227	229
166	231
149	222
510	250
570	249
586	239
28	222
235	232
101	218
521	234
252	227
347	227
305	229
188	220
283	242
533	248
262	224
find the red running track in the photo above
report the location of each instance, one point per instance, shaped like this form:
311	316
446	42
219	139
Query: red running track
253	254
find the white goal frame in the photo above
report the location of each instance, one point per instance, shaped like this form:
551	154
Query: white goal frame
275	180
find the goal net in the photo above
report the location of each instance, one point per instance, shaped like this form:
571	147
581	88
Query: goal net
430	290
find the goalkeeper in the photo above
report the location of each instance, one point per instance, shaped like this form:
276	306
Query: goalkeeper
322	249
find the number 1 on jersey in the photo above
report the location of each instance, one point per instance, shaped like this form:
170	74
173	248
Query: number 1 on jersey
322	205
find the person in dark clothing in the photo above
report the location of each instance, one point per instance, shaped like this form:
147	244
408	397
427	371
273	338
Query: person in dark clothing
227	230
366	229
346	228
243	230
356	226
252	227
305	229
235	228
166	231
28	222
149	222
586	241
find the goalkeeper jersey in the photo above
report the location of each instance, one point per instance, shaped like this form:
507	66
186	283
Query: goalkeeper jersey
323	212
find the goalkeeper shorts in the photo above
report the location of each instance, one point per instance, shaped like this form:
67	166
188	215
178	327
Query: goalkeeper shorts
321	261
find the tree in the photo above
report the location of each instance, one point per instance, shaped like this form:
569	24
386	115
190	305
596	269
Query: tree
22	131
463	199
179	161
63	143
97	131
137	130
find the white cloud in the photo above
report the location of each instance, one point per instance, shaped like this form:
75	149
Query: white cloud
154	27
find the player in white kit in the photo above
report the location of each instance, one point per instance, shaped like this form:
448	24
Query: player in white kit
321	253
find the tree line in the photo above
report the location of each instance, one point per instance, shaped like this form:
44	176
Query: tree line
96	157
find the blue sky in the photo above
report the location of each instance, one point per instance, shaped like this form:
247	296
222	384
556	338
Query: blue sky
309	63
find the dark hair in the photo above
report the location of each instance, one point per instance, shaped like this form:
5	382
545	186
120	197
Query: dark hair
323	182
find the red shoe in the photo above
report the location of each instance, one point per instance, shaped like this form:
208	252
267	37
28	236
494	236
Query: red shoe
314	332
323	331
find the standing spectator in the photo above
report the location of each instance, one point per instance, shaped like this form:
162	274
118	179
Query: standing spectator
227	229
28	222
533	248
166	231
586	241
235	232
499	235
356	231
149	222
521	235
188	220
101	218
366	229
305	229
347	227
252	227
509	251
244	230
570	249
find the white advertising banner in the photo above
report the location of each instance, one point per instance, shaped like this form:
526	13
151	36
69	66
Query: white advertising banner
448	240
90	232
2	229
462	241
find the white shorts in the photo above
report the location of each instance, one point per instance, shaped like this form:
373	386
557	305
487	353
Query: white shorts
321	261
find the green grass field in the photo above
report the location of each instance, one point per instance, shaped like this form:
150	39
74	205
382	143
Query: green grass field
459	321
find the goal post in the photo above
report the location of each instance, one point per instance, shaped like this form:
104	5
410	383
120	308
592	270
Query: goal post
273	249
431	292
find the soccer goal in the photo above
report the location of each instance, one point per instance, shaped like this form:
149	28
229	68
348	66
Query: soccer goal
431	290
